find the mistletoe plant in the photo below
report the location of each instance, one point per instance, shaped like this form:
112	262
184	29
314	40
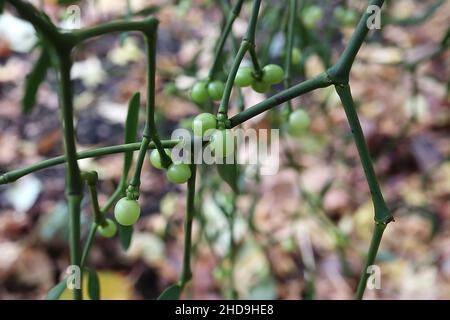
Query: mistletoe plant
56	53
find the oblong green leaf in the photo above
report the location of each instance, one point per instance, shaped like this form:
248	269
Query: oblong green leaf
57	290
93	284
34	80
131	128
171	293
229	174
125	235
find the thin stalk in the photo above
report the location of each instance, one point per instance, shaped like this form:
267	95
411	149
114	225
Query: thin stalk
115	26
150	127
223	108
382	213
373	249
99	218
233	249
321	81
289	46
118	193
150	131
136	179
186	273
256	65
246	44
91	179
88	244
73	177
74	206
250	37
14	175
239	95
251	30
264	53
232	15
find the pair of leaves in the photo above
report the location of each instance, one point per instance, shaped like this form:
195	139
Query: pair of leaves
34	80
93	286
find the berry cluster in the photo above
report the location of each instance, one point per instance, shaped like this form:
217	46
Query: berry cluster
271	74
202	91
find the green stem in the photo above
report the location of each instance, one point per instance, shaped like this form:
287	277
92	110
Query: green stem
88	245
250	37
74	183
246	44
74	205
186	273
14	175
91	181
289	46
374	245
136	179
321	81
233	249
116	26
150	127
118	193
232	15
258	73
382	213
150	131
251	30
223	108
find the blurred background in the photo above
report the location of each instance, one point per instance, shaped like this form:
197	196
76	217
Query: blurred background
300	234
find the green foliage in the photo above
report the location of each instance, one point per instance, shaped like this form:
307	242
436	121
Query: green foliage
171	293
93	284
125	236
57	290
34	80
127	209
131	129
229	173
